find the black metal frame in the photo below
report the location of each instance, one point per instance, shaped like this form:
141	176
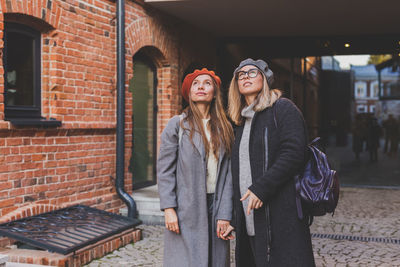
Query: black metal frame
78	226
140	55
33	111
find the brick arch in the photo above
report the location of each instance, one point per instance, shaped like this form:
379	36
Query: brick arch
167	93
152	37
144	32
157	57
47	11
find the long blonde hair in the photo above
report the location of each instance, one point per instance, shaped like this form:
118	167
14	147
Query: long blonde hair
236	101
220	128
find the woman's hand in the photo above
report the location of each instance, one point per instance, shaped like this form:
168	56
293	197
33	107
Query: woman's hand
171	220
254	201
228	233
222	226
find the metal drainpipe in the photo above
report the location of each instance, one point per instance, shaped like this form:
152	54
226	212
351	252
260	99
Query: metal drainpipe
120	164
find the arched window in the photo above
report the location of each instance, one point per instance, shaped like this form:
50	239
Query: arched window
22	66
144	121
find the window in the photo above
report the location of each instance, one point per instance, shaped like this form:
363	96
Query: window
374	90
144	120
372	109
360	90
21	57
361	109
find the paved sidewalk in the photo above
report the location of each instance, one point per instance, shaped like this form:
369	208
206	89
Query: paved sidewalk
369	215
361	172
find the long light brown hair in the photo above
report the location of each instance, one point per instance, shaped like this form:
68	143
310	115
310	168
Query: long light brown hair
221	131
236	101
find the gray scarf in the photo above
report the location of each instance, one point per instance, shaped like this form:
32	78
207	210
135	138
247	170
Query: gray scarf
245	179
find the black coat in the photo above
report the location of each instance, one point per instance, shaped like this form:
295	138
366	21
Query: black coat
290	243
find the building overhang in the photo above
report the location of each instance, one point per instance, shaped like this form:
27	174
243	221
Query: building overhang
322	27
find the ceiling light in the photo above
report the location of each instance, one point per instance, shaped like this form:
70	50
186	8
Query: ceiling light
346	45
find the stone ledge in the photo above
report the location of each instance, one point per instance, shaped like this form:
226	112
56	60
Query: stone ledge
79	257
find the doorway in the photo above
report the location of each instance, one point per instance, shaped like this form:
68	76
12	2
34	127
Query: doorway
143	86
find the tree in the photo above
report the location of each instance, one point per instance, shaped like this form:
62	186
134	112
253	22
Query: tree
377	59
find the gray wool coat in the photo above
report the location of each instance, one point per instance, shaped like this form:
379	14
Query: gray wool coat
181	174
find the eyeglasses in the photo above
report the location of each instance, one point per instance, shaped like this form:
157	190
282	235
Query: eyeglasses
251	73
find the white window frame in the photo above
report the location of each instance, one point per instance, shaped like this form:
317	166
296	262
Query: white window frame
364	87
389	89
362	108
372	91
372	109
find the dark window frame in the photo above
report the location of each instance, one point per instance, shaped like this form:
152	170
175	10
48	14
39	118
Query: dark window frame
24	112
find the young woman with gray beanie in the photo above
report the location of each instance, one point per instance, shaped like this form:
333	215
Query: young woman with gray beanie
269	149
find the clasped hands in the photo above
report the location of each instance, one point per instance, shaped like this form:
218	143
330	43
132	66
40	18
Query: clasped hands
224	229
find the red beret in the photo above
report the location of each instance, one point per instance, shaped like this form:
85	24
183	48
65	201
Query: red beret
187	82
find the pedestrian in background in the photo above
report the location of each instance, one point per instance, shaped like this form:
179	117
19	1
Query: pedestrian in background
358	134
269	150
374	134
391	127
194	178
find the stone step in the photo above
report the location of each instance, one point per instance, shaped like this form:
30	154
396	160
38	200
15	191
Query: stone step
14	264
148	205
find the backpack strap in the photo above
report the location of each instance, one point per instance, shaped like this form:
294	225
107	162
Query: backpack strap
180	131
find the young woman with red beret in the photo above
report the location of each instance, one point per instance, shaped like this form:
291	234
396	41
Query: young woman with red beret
269	149
194	178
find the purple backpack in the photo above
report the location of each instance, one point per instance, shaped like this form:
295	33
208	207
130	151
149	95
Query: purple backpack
317	185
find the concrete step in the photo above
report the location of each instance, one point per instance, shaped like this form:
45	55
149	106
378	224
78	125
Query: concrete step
148	205
15	264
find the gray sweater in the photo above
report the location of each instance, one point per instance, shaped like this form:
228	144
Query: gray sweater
245	178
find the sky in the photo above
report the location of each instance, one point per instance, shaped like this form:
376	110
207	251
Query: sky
345	61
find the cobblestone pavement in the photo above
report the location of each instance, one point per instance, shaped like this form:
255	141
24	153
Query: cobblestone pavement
385	172
366	214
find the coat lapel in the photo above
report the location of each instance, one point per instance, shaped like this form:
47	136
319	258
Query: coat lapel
198	143
220	158
197	140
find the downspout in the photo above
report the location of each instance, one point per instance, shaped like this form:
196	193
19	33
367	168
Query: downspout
120	161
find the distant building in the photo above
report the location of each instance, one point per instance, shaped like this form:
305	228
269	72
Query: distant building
330	63
366	88
389	74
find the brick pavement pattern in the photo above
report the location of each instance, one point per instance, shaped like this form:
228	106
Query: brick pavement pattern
373	213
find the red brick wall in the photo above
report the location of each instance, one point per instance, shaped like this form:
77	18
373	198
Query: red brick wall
1	65
75	163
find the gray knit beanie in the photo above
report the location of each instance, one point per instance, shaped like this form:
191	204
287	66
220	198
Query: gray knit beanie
261	65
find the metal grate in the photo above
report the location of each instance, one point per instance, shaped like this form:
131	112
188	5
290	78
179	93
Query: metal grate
357	238
67	230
